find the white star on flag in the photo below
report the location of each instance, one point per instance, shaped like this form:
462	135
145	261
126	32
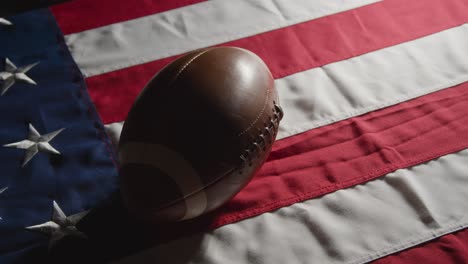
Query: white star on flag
5	22
36	143
13	74
1	191
60	225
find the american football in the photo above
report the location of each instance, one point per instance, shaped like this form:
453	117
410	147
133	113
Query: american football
197	133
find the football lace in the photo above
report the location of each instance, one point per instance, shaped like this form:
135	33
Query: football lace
263	138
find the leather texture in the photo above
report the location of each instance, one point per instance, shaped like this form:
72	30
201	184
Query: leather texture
197	133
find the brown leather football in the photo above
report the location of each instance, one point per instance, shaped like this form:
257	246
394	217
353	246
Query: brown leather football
197	133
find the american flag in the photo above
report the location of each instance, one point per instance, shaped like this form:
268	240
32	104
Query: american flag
370	164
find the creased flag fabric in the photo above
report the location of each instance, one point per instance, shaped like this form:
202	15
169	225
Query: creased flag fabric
370	163
80	172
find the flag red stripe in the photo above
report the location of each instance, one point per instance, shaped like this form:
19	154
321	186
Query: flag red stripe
301	47
80	15
354	151
448	249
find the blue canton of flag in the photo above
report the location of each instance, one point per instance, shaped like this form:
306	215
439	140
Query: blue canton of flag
56	160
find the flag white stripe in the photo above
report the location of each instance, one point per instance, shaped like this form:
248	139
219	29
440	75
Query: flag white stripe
355	225
153	37
372	81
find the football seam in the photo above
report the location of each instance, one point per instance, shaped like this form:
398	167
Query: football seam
194	192
258	116
214	181
179	73
186	65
